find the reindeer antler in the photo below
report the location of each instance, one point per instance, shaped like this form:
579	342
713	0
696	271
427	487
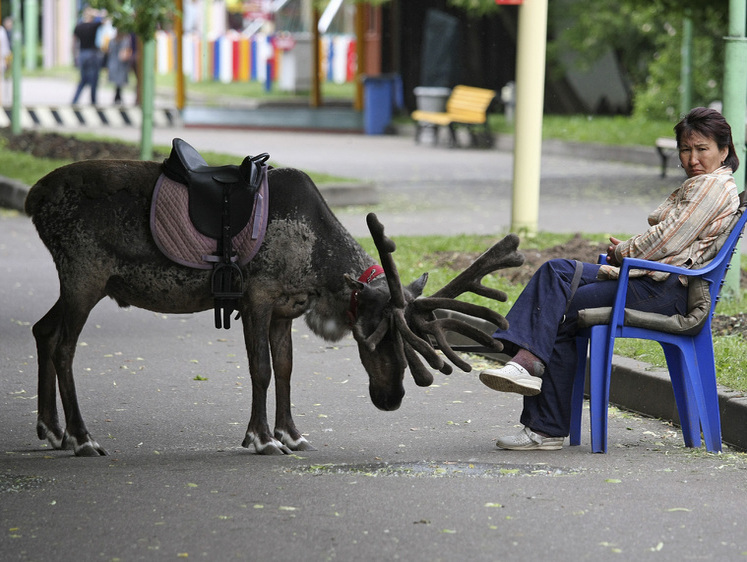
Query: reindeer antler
415	323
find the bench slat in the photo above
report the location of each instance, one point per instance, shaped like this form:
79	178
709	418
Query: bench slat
466	105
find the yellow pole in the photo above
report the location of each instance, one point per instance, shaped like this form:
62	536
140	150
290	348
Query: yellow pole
530	92
360	34
179	63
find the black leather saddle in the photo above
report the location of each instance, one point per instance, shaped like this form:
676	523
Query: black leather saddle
221	204
208	186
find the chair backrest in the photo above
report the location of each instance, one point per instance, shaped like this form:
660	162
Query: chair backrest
703	294
720	264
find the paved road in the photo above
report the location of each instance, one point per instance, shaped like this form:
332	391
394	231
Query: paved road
422	483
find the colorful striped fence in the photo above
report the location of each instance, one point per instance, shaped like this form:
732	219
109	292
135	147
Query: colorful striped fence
234	58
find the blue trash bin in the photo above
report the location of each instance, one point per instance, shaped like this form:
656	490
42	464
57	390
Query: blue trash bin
381	94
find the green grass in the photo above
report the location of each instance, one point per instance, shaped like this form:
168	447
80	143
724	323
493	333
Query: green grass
606	130
25	168
615	131
208	89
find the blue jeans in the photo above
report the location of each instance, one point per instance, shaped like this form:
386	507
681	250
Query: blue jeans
539	323
90	67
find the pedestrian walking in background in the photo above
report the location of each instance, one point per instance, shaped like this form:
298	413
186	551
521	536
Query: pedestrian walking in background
119	62
88	54
6	59
684	231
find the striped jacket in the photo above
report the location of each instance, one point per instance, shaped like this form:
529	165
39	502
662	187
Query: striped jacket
684	226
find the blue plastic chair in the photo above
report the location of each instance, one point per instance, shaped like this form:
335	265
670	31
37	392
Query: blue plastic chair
689	353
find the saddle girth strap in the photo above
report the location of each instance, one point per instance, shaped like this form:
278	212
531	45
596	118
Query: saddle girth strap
225	292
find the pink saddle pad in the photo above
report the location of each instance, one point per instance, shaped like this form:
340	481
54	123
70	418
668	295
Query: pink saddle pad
180	241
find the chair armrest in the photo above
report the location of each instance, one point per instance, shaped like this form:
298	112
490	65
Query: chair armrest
637	263
618	308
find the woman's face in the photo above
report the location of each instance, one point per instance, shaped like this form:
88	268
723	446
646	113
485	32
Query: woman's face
700	155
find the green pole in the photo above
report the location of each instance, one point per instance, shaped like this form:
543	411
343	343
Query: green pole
15	116
686	80
146	131
735	98
31	33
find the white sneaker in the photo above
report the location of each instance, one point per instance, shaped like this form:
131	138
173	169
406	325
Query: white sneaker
512	378
528	440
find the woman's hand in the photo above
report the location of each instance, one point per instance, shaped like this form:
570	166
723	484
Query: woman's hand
611	258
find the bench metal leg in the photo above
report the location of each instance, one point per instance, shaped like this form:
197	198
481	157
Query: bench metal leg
453	142
419	127
664	157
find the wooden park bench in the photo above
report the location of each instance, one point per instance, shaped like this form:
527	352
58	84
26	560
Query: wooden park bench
666	147
467	106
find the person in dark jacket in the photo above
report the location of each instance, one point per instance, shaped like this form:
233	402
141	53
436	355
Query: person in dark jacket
89	55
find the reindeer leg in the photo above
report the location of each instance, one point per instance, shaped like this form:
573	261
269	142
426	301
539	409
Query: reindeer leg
74	307
258	434
282	363
47	332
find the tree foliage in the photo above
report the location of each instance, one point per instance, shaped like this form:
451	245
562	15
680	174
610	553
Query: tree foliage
142	17
646	39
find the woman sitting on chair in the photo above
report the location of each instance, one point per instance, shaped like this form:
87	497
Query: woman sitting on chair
543	322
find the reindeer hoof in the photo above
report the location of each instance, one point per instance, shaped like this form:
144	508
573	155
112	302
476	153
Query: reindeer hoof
272	447
53	435
298	444
85	448
91	450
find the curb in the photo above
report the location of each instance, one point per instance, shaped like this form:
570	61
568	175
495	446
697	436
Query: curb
12	193
639	387
76	116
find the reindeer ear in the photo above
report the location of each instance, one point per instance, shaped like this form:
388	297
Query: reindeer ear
354	284
417	286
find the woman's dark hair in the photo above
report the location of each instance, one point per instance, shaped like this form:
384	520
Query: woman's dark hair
711	124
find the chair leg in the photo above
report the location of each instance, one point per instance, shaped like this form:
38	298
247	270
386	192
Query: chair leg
711	418
684	394
693	374
577	397
600	370
705	385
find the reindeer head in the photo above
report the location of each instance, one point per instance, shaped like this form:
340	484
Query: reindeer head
394	327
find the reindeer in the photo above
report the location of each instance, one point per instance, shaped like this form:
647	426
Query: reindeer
93	216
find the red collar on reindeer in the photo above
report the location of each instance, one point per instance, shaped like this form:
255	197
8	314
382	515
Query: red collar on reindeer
366	277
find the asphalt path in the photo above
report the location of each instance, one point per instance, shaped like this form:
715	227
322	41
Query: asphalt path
169	397
422	483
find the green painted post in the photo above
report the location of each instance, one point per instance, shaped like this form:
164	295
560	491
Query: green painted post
31	33
735	107
149	78
15	115
686	64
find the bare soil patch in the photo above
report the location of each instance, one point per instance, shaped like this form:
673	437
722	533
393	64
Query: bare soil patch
585	250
